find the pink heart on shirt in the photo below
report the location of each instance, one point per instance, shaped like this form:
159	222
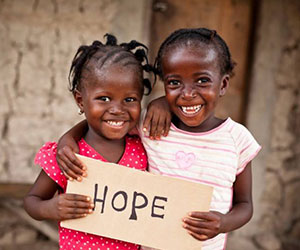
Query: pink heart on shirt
184	160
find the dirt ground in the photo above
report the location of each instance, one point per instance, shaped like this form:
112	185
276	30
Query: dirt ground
17	233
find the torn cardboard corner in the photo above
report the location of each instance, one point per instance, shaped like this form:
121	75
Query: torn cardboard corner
137	206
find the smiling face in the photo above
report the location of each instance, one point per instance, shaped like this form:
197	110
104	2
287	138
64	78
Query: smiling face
111	100
193	85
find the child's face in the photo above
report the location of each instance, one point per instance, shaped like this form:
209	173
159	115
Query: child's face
111	100
193	85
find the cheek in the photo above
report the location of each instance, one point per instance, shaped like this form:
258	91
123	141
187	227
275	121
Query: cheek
135	112
171	94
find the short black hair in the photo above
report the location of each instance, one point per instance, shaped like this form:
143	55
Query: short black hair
132	53
202	35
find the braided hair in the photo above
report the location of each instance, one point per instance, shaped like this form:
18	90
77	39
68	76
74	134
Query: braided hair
197	37
132	53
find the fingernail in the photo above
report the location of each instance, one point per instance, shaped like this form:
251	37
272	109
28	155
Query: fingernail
92	205
90	211
85	215
70	179
144	129
84	174
88	198
79	179
84	168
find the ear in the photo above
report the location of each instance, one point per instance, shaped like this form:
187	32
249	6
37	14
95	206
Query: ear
224	85
78	98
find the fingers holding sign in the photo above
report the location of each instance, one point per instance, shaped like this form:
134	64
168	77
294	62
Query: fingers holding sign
70	206
203	225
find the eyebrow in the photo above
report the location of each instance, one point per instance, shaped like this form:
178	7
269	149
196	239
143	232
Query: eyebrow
202	73
169	76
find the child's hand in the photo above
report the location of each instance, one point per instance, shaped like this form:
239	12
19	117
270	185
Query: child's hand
158	118
204	225
67	145
69	163
69	206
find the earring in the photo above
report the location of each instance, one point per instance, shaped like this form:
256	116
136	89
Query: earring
80	112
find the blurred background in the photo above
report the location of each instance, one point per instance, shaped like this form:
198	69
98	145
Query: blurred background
38	39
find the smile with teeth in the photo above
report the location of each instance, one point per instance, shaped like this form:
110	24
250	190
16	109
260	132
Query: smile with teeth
190	110
115	123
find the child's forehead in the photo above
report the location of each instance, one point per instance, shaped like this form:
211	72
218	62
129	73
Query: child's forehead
189	46
191	53
114	74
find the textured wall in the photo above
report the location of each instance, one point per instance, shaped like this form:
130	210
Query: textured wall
38	41
274	117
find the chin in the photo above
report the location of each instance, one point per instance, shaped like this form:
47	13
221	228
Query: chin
189	122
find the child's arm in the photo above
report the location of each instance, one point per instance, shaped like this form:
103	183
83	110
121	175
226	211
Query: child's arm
67	145
41	202
206	225
158	118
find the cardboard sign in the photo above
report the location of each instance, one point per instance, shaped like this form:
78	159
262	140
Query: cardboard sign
137	206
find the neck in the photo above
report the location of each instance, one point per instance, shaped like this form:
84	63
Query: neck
111	150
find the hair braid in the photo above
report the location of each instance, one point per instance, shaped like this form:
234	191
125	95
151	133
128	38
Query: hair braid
134	53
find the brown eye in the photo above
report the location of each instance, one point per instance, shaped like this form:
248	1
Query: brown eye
104	98
202	80
130	99
174	83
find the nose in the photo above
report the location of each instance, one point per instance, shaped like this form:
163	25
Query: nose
188	92
116	109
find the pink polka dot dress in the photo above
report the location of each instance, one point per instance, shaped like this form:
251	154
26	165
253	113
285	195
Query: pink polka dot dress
134	156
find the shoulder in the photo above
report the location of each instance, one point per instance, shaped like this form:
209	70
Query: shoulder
46	152
246	145
134	141
135	150
238	131
46	159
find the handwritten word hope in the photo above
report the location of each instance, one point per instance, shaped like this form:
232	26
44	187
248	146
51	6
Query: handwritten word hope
139	201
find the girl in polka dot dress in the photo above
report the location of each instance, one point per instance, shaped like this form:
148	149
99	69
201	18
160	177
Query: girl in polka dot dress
107	83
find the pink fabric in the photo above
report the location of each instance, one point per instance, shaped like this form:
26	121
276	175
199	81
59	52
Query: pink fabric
134	157
214	158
